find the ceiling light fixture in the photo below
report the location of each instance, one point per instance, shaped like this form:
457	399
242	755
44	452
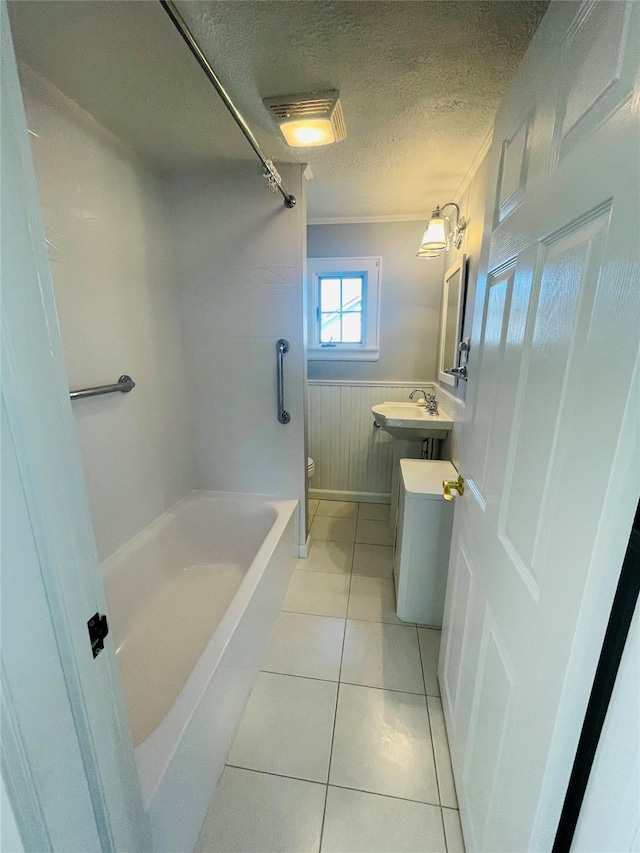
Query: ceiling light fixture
441	233
311	119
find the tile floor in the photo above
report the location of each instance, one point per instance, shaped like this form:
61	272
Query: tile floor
342	747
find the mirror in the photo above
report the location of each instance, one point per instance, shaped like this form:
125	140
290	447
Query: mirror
451	319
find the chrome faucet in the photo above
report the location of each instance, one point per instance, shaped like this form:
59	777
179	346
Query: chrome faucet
430	401
432	404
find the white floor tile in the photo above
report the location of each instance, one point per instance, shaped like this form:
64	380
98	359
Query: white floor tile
378	655
318	593
310	646
430	649
286	727
356	822
373	532
453	831
333	529
338	509
382	744
263	814
441	750
374	512
373	599
375	561
313	507
335	557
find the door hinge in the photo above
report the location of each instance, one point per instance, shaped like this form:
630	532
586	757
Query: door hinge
98	630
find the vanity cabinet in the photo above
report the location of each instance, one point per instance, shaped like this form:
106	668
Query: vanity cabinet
422	540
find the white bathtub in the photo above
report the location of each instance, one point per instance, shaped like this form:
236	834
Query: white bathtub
192	602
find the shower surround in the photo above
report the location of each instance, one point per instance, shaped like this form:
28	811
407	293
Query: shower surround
117	300
185	282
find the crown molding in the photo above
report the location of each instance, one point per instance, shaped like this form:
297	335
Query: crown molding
356	220
474	165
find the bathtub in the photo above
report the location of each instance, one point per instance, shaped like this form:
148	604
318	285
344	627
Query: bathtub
192	602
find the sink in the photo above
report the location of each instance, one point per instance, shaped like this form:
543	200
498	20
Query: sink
410	422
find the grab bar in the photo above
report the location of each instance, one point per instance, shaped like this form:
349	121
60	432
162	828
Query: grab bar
282	347
124	384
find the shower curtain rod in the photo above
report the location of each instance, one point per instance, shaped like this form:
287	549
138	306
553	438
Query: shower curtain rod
269	170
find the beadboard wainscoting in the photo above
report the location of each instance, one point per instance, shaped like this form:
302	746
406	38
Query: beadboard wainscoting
454	407
353	459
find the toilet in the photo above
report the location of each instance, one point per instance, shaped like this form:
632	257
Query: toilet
311	467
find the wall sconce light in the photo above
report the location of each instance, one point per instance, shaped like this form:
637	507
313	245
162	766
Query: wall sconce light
441	233
427	253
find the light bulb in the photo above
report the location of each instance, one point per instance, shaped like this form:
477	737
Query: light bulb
307	133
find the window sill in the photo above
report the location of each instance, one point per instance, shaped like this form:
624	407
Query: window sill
342	354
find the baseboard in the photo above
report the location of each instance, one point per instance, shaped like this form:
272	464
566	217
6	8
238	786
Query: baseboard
303	550
365	497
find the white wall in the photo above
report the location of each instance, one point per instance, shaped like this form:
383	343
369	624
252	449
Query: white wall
117	306
472	203
350	455
240	273
610	818
410	299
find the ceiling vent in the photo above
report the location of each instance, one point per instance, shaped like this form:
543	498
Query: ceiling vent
314	118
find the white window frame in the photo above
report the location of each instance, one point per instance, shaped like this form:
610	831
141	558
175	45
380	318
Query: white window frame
369	269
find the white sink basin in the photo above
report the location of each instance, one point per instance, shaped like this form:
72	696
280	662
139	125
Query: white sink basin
410	422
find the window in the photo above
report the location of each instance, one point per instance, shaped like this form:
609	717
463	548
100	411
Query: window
340	310
343	309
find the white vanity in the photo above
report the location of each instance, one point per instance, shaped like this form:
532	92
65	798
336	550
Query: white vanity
409	424
422	541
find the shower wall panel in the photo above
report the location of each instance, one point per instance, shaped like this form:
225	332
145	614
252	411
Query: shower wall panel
241	267
113	273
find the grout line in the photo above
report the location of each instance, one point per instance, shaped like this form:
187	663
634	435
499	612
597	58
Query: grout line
351	517
352	618
399	624
444	829
446	738
426	693
379	578
344	635
390	796
377	687
435	763
354	541
306	677
279	775
433	749
324	807
342	787
317	572
424	680
335	716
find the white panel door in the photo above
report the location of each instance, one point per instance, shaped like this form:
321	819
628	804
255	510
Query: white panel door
550	444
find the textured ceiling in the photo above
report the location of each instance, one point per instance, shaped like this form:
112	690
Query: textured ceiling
420	82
